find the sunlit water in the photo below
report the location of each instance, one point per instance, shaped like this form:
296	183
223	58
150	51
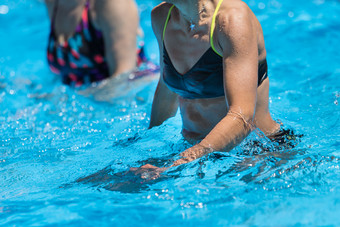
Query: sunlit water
50	136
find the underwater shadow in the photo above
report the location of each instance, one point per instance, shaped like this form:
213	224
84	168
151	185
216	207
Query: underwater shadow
258	158
133	180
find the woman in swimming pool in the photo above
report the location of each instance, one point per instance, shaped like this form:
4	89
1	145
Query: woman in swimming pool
92	40
213	67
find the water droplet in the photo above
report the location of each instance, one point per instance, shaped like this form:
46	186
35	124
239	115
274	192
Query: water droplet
261	5
4	9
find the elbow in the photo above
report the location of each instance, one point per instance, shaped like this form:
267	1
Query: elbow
250	116
246	115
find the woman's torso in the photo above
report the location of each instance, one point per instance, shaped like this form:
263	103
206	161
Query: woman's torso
200	115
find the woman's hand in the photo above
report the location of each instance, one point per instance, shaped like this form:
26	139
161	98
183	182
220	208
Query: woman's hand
148	172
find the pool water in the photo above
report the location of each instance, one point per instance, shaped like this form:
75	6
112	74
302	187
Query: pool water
50	136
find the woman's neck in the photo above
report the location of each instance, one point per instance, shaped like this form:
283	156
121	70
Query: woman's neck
191	10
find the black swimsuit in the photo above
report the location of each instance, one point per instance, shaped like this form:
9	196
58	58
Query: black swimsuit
204	79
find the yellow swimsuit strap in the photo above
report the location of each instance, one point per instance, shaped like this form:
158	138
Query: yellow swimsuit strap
167	20
213	22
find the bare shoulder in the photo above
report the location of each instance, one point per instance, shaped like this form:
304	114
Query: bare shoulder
122	8
160	10
113	12
111	5
236	17
158	17
236	27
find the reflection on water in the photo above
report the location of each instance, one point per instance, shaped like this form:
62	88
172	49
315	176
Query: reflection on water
258	157
133	180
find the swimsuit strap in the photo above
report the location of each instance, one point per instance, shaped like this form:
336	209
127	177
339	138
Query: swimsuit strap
167	20
213	22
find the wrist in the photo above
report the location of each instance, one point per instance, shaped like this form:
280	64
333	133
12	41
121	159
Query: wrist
206	147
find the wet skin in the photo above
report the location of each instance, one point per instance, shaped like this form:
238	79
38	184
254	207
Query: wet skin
218	123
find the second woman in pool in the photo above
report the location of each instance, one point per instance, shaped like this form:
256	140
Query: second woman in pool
95	41
213	67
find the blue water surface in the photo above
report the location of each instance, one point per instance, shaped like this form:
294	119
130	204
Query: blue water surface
50	136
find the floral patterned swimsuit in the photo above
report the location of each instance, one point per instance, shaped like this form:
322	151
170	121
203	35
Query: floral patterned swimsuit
81	60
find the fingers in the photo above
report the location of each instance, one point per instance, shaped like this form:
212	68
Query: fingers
148	166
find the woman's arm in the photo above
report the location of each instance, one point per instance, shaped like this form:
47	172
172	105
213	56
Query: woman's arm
68	15
165	102
164	105
236	38
119	22
50	6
